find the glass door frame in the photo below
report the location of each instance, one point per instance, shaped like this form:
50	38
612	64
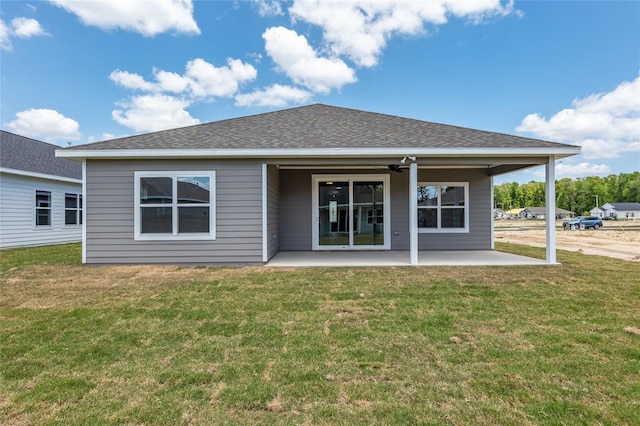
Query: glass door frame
350	178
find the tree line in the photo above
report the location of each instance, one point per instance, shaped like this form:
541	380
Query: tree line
576	195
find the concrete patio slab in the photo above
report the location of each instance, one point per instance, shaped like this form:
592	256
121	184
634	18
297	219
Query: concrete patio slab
293	259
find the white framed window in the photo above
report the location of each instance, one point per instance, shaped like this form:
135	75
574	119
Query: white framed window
175	205
443	207
72	209
43	208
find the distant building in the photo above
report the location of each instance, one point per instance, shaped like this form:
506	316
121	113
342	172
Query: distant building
514	213
40	195
541	213
618	210
500	214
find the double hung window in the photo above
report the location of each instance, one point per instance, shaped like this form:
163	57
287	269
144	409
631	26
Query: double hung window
72	209
443	207
175	205
43	208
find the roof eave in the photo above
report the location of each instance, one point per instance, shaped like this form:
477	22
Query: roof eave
557	152
37	175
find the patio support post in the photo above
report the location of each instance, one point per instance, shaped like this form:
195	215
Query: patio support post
413	213
550	195
84	211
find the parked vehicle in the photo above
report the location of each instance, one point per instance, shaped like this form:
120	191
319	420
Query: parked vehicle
577	222
608	218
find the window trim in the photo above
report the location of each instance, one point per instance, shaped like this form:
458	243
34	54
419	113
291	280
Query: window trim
439	229
174	175
49	209
78	209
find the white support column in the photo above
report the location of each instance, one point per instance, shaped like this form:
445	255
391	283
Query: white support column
550	195
413	213
493	229
84	211
265	211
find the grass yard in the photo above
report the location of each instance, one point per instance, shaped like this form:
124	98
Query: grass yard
174	345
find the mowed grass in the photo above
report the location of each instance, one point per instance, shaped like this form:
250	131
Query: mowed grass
176	345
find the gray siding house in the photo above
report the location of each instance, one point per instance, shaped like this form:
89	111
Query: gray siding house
40	195
311	178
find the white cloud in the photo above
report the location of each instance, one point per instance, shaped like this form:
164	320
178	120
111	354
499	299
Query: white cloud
360	30
273	96
164	104
26	27
609	148
131	81
5	36
293	55
150	113
207	80
606	125
269	7
200	80
20	27
45	124
171	81
581	170
148	18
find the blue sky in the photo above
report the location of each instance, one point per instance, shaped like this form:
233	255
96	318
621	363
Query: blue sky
566	71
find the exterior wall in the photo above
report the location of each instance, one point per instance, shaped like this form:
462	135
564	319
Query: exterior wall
110	214
17	212
479	236
273	211
296	209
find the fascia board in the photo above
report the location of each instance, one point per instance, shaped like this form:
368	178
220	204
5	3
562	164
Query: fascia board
39	175
315	152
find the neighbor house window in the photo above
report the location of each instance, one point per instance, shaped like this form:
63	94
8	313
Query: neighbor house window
43	208
72	209
378	214
443	207
175	205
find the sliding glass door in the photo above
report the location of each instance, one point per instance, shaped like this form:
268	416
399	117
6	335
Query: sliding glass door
351	212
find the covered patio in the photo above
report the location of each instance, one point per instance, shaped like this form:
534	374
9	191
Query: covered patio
294	259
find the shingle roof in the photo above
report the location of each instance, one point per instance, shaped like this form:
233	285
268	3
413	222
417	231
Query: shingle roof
626	206
543	210
319	126
26	154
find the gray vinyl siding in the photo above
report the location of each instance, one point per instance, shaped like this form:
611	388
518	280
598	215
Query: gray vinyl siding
273	219
17	212
295	210
296	206
399	211
110	215
479	235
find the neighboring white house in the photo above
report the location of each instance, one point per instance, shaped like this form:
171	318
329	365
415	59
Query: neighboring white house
500	214
540	213
618	210
40	195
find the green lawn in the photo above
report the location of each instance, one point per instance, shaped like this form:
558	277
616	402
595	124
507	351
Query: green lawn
174	345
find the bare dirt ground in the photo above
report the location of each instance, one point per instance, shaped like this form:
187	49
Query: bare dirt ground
619	239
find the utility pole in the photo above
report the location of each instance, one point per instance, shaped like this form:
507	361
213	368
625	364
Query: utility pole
597	203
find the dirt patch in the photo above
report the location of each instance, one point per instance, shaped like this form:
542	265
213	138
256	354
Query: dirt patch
620	240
